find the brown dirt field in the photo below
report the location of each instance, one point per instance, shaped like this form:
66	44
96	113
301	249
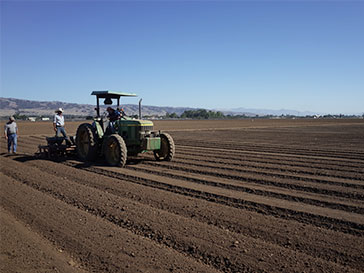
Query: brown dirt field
240	196
27	128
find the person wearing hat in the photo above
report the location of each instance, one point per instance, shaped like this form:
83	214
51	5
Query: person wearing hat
113	114
58	124
11	134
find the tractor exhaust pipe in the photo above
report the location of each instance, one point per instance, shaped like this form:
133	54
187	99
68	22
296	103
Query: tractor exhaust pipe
140	108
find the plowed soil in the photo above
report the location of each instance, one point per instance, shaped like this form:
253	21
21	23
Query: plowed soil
239	196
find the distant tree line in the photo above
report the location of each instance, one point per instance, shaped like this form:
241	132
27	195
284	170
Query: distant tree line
18	116
208	114
197	114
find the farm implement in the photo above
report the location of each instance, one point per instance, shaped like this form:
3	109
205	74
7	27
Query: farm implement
57	147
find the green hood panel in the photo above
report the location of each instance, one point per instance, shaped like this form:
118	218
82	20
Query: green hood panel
135	122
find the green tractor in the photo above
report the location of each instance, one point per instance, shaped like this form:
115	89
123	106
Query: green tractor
126	136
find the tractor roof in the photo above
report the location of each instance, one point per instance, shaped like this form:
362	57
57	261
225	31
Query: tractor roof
112	94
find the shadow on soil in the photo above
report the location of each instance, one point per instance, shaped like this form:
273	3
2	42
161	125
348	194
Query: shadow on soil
81	164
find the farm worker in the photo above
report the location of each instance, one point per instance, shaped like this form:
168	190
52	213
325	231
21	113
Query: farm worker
58	124
11	134
113	114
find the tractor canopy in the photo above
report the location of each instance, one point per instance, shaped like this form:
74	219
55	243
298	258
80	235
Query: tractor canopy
112	94
108	96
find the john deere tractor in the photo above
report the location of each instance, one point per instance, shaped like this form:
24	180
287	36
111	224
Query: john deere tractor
126	136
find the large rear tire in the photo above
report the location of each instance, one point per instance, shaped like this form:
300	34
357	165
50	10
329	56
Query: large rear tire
166	152
115	150
86	142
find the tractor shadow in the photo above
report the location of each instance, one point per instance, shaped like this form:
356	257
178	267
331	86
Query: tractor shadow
18	157
102	162
8	155
79	163
25	158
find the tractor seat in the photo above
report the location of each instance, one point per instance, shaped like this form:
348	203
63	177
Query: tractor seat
105	124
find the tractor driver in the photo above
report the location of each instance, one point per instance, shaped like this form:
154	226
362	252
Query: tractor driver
113	114
122	113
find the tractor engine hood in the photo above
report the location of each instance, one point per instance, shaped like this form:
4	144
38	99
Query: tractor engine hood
137	122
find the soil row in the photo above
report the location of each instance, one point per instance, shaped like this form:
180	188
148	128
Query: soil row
276	207
251	173
212	213
180	233
307	200
295	151
301	184
245	157
266	157
278	165
256	172
23	250
94	242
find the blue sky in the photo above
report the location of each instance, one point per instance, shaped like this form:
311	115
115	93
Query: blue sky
268	54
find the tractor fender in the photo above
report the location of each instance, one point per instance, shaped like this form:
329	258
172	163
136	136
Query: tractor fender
99	130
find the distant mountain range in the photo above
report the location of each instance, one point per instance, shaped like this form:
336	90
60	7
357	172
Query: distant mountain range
10	106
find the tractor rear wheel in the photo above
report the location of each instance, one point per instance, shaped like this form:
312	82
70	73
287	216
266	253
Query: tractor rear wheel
115	150
166	152
86	142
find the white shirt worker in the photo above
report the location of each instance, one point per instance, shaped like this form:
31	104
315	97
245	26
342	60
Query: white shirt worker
58	120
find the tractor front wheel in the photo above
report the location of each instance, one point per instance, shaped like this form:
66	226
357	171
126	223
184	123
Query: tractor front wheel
86	142
166	152
115	150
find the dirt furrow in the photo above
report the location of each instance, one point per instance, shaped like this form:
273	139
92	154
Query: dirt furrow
290	195
306	186
263	190
266	196
31	145
33	142
23	250
300	185
263	155
278	166
244	155
177	232
236	146
262	206
163	227
312	241
98	244
327	212
278	172
24	146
